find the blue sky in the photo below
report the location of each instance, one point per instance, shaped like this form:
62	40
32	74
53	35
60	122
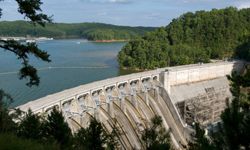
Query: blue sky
120	12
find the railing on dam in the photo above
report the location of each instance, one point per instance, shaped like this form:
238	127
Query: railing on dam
73	93
161	75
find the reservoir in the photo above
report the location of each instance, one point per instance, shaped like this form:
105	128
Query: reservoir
74	62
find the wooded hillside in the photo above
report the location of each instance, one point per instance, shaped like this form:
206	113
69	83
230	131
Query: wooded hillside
191	38
90	31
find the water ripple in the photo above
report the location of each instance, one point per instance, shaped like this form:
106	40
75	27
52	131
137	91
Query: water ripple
70	67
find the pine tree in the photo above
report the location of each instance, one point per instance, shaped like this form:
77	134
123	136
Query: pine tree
55	128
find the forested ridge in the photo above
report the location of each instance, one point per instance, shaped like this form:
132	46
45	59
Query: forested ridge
191	38
90	31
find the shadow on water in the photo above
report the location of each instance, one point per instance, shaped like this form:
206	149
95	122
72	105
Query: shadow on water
127	71
113	63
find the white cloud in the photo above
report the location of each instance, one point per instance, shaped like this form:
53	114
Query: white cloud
109	1
242	5
119	1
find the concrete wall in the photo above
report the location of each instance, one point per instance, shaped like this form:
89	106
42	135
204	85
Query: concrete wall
194	73
167	76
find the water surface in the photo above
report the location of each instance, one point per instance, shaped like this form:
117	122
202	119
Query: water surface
74	62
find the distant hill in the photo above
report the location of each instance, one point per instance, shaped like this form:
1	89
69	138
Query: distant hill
90	31
191	38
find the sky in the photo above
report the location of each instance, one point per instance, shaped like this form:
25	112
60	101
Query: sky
120	12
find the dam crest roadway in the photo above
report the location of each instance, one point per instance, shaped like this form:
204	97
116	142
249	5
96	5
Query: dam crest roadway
181	95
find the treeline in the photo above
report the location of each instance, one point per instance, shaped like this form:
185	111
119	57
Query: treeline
191	38
90	31
31	131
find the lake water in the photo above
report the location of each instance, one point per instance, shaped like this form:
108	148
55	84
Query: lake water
74	62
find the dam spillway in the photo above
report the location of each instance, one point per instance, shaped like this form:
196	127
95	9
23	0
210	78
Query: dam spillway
130	101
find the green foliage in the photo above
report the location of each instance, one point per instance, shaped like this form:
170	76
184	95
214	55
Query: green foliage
155	136
220	30
52	129
31	9
90	31
53	132
30	127
22	51
55	128
201	142
185	54
191	38
136	54
94	137
243	50
6	122
12	142
234	132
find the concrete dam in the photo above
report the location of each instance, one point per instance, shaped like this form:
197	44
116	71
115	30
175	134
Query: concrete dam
180	95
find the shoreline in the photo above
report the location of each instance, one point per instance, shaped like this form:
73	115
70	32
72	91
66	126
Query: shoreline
18	38
108	41
134	69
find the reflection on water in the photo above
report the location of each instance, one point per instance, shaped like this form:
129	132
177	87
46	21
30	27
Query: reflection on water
74	62
127	71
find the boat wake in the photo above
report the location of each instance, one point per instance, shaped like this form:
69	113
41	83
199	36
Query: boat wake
50	67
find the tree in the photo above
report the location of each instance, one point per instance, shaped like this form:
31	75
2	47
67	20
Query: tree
94	137
55	128
243	50
6	122
155	136
191	38
200	141
234	131
30	126
31	9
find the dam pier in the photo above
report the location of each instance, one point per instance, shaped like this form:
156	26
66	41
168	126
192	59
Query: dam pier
181	95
